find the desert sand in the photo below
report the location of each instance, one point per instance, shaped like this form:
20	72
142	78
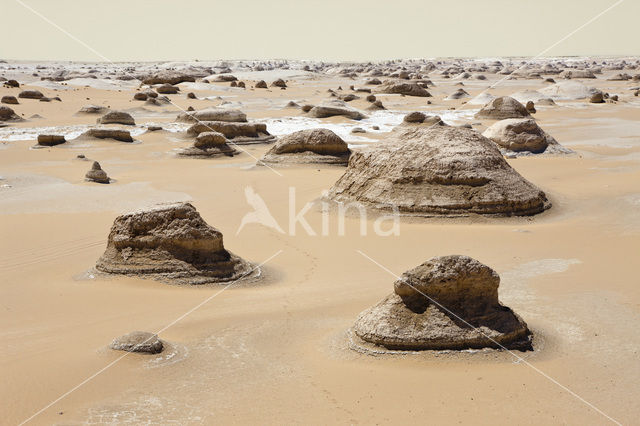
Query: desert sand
278	350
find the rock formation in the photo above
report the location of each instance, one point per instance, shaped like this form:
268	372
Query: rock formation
96	174
138	341
568	91
502	108
236	132
31	94
458	94
209	144
170	242
51	140
335	107
9	100
117	134
8	114
523	135
168	77
309	146
93	109
403	88
261	84
117	117
437	170
446	303
213	114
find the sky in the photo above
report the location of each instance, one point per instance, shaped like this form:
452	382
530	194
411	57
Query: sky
330	30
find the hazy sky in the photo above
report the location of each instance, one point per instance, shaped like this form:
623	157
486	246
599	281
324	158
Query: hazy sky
313	29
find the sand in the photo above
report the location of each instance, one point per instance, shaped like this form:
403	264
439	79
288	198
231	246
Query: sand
278	351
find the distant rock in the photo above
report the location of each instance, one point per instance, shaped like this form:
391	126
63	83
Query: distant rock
279	83
9	100
213	114
523	134
117	117
30	94
96	174
458	94
116	134
51	140
403	88
261	84
168	77
597	98
569	74
167	89
502	108
209	144
93	109
309	146
333	107
8	114
138	341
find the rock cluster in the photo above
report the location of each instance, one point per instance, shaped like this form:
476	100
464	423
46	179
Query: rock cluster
437	170
446	303
170	242
309	146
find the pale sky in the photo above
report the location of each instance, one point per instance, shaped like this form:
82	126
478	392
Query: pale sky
145	30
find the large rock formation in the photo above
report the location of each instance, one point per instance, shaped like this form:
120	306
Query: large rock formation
213	114
403	88
209	144
138	341
335	107
523	135
236	132
170	242
502	108
446	303
437	170
309	146
117	117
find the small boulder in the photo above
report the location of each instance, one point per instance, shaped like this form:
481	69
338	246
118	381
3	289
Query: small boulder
10	100
138	341
30	94
51	140
96	174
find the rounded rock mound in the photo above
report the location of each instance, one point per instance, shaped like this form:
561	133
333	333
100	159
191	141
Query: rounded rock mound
117	117
446	303
523	135
438	170
502	108
209	144
170	242
309	146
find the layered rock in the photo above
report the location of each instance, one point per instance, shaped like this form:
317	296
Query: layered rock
437	170
138	341
404	88
96	174
502	108
213	114
523	135
335	107
446	303
309	146
236	132
117	117
170	242
116	134
209	144
168	77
